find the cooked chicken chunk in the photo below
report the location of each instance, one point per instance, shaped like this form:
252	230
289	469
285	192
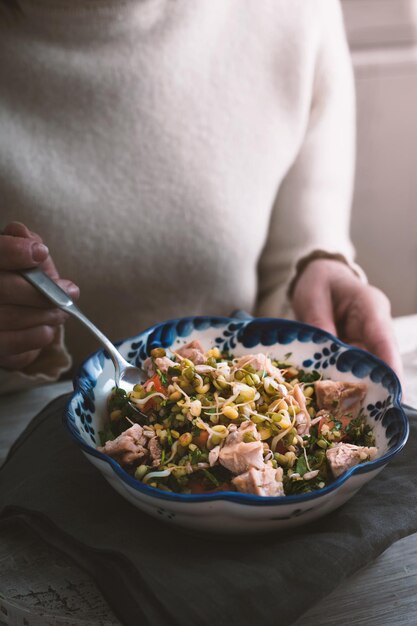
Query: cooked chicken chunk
242	449
161	363
214	455
341	398
303	419
193	351
261	482
155	451
345	455
127	448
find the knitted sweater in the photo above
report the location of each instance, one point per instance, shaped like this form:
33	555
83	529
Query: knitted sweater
177	156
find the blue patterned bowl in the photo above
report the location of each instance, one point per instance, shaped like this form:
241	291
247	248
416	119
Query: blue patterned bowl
233	512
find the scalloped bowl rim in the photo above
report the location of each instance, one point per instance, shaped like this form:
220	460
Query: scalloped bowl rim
233	496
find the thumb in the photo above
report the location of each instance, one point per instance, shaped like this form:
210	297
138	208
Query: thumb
17	229
314	306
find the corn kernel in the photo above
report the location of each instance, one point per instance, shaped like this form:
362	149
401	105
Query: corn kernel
214	353
203	388
291	458
158	353
220	428
282	406
140	471
185	439
293	410
285	422
308	392
265	433
230	412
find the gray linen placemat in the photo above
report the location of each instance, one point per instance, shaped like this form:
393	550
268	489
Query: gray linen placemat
151	573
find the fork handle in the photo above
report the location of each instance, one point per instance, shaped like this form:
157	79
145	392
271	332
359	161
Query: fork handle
53	292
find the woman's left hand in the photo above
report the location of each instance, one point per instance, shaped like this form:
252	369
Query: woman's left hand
329	295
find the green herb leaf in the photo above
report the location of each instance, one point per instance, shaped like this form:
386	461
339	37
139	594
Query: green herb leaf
301	466
212	478
163	378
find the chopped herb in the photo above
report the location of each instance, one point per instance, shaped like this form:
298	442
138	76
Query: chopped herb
301	466
162	376
212	478
106	435
308	377
195	456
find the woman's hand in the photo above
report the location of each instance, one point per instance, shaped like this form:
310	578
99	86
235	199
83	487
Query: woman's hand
329	295
28	321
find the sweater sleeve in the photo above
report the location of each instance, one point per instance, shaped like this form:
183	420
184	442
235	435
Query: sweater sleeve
312	208
53	361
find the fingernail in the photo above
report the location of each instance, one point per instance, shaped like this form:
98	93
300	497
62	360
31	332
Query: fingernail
39	252
72	290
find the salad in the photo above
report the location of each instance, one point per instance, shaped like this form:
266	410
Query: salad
205	421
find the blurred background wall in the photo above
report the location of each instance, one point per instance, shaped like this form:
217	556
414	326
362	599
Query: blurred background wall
383	40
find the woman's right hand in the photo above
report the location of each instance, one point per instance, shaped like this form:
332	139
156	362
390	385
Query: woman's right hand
28	321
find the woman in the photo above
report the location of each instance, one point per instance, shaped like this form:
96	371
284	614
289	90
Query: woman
177	158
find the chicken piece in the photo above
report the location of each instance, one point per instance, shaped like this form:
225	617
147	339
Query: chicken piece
302	419
193	351
155	451
127	448
340	398
261	482
214	455
345	455
238	455
161	363
261	362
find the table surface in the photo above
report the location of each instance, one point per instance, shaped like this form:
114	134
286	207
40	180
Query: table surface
41	587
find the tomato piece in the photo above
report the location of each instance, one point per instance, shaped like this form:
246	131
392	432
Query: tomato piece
153	384
344	420
157	384
201	439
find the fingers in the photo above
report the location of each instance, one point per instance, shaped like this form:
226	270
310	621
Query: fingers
19	317
378	333
13	342
312	304
20	248
18	253
19	361
28	320
15	290
17	229
332	298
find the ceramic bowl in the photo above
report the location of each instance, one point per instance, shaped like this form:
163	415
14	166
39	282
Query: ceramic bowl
234	512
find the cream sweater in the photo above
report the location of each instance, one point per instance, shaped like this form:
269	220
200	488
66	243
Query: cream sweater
177	156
